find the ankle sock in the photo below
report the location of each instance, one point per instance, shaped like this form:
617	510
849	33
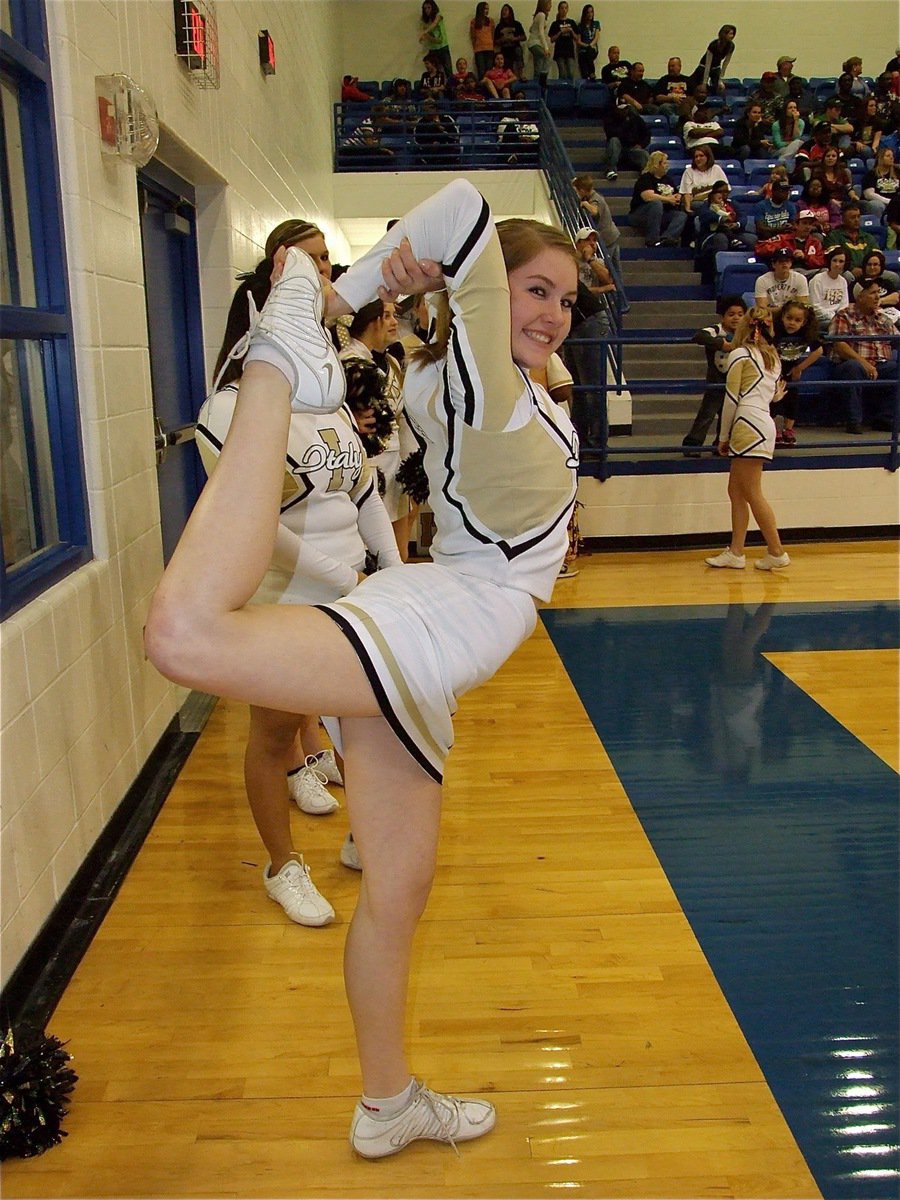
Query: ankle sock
269	353
385	1107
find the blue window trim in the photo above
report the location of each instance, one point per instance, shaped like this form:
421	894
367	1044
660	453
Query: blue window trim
24	58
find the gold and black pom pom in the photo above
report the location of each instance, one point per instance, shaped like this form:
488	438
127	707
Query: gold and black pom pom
365	390
412	478
35	1083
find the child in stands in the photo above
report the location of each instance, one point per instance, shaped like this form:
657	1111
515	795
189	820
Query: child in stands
716	341
796	340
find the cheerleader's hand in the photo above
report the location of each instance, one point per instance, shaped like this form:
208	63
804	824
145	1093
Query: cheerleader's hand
780	389
405	275
723	449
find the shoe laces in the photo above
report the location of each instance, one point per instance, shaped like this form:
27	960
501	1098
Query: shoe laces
242	345
303	881
445	1110
310	770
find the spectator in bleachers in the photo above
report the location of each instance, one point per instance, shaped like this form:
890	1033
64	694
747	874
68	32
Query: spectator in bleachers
521	137
887	100
867	130
698	178
459	75
813	151
615	70
797	342
636	91
784	73
716	342
853	67
468	92
778	174
588	43
436	136
433	84
787	131
837	182
671	89
893	64
812	199
481	34
832	115
766	96
364	142
799	92
589	320
433	35
775	214
856	241
782	283
752	136
718	228
498	80
888	284
702	129
656	207
563	33
881	183
595	208
828	292
849	99
710	71
856	359
399	106
509	37
539	45
351	91
626	134
809	252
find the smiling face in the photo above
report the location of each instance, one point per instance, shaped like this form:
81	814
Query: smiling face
541	294
385	327
731	317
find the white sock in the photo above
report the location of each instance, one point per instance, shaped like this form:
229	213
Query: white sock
266	351
386	1107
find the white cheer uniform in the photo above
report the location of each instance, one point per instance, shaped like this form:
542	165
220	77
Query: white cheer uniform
747	423
330	509
501	459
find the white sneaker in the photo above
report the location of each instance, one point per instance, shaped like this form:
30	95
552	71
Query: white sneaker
726	559
290	335
306	785
327	765
430	1115
567	571
350	855
295	891
771	562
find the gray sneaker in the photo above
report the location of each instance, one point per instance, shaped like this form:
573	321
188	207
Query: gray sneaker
430	1115
295	891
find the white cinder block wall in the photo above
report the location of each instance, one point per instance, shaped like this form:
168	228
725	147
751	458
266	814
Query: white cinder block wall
80	710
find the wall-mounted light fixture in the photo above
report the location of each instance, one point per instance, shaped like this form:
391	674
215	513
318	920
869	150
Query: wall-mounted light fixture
266	52
129	128
197	40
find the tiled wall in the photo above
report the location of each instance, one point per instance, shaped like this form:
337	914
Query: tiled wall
80	709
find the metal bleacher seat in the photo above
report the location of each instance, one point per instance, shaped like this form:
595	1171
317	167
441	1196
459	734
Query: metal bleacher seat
734	170
670	142
656	121
530	88
739	278
758	170
732	258
562	96
372	86
594	97
892	260
875	229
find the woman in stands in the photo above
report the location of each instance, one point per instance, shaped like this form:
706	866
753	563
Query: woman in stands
867	130
812	199
873	268
563	33
747	436
712	66
787	131
509	37
881	183
539	45
392	659
656	206
326	519
837	183
588	40
498	80
828	292
481	35
433	35
697	180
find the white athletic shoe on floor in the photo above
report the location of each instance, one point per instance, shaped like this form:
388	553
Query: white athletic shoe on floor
737	562
306	785
771	562
350	855
290	335
327	764
295	891
430	1115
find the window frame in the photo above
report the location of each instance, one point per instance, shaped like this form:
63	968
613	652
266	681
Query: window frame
24	59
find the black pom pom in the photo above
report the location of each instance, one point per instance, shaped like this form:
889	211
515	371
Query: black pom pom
382	482
365	389
35	1082
412	478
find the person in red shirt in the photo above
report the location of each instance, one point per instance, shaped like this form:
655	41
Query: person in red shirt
497	80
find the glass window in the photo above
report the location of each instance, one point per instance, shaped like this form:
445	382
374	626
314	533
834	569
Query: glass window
43	509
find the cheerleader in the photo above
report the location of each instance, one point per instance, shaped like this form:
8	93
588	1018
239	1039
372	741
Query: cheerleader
393	657
747	436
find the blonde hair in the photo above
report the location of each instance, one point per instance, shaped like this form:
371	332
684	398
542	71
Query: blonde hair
748	334
521	240
655	159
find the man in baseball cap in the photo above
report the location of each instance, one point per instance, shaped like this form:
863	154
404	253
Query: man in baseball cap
785	68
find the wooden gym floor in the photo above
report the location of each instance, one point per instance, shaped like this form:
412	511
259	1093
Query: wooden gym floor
555	968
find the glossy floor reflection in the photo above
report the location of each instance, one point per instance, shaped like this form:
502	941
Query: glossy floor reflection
778	830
